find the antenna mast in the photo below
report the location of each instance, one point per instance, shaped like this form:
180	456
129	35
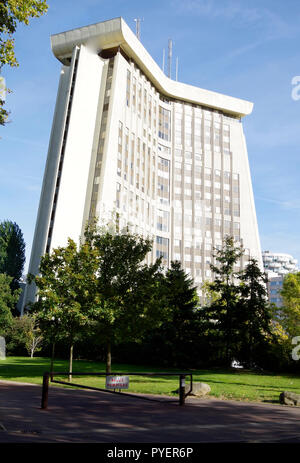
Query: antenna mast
138	27
170	47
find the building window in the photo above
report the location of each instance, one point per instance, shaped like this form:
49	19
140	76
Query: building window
162	249
162	220
128	88
164	124
163	180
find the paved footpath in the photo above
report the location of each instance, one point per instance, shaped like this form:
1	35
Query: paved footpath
90	416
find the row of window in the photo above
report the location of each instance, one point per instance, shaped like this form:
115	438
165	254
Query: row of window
138	98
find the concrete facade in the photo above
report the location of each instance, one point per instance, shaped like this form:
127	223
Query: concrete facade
169	158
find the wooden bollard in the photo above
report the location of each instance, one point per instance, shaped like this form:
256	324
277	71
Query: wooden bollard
45	391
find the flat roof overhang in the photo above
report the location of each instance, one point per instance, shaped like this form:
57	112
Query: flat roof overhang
116	33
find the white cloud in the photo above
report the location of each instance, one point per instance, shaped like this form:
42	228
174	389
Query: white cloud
272	25
229	10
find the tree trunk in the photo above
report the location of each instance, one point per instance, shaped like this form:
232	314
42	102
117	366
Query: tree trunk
71	363
108	357
52	357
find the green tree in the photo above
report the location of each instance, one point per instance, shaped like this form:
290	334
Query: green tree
49	322
289	314
174	341
13	12
24	335
181	297
66	287
12	251
129	291
32	334
254	314
8	299
221	313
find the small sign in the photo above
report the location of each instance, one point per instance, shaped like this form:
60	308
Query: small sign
117	382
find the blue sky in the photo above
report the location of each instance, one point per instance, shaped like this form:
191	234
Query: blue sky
247	49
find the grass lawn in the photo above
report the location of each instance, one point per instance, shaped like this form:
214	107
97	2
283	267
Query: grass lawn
225	384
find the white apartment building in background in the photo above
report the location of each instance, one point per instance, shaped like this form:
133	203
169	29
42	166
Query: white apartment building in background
169	158
276	266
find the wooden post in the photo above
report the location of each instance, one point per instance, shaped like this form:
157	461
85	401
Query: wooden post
45	391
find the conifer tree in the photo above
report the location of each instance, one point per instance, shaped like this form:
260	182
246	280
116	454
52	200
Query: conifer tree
174	341
8	299
254	313
12	251
181	298
221	314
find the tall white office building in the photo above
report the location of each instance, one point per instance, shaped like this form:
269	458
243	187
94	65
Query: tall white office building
276	266
167	157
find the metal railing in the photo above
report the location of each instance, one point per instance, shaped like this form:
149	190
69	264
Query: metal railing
49	377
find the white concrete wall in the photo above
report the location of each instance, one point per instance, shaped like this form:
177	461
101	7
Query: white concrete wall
249	228
89	188
75	173
49	181
107	187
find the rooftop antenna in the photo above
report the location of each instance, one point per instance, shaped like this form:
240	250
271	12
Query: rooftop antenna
138	27
163	63
177	68
170	47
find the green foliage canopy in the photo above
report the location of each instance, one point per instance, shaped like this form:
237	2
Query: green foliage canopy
174	340
12	251
254	313
104	282
13	12
65	287
221	313
290	313
8	299
130	299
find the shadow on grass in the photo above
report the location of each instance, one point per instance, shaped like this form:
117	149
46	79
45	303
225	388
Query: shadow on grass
25	367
